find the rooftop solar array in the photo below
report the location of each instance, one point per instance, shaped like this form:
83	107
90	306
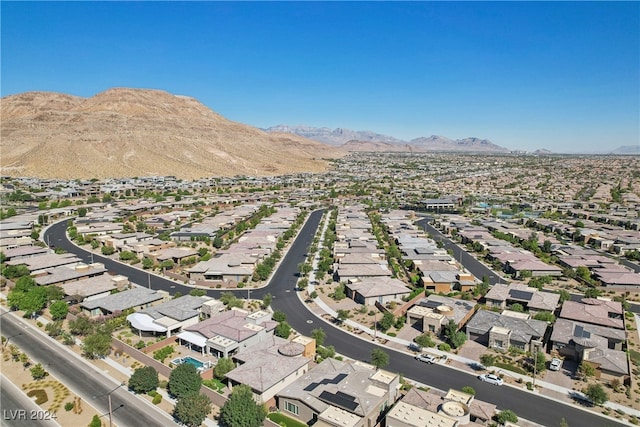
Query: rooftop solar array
521	295
336	380
340	399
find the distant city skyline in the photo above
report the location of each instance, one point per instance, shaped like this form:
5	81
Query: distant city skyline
562	76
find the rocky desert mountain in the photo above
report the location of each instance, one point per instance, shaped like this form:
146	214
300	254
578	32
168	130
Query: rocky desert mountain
352	140
138	132
337	137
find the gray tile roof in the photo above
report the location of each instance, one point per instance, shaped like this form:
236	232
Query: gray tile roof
182	308
123	300
521	330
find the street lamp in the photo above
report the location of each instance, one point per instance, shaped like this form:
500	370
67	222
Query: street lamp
109	397
6	342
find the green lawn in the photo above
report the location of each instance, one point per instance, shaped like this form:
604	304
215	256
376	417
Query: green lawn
281	419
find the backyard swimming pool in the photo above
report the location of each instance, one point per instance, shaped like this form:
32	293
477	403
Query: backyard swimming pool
200	365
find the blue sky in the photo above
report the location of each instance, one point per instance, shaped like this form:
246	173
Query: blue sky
558	75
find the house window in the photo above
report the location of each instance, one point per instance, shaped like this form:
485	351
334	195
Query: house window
290	407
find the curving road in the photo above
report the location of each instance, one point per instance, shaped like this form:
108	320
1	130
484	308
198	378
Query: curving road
282	287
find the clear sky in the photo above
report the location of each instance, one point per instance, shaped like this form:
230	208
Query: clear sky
564	76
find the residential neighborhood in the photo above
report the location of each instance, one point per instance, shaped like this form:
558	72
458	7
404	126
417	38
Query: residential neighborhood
458	264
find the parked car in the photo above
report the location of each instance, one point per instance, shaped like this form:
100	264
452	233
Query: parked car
427	358
555	364
491	379
414	347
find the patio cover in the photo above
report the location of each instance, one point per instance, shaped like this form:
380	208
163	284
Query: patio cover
144	322
193	338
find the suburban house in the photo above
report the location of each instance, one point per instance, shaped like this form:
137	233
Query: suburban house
41	264
170	316
268	367
93	287
340	394
377	289
531	299
22	252
60	275
501	331
135	297
354	272
434	408
230	268
594	311
567	333
227	333
430	314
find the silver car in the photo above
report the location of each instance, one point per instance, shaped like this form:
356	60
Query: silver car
491	379
427	358
555	364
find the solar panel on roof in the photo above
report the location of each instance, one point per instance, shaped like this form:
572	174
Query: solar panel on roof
335	380
340	400
580	332
522	295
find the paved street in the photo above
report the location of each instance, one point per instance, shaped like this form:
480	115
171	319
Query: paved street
81	377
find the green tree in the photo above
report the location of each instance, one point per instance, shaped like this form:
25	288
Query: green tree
54	293
386	322
379	358
517	307
319	335
97	345
191	410
34	301
343	315
596	393
241	410
59	310
283	330
223	367
147	263
583	273
144	379
95	422
425	340
13	271
38	372
107	250
586	369
81	325
326	352
540	362
266	300
546	316
451	334
82	212
506	416
487	359
279	316
564	296
184	380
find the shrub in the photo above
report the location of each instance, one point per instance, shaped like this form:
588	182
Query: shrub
40	395
444	347
157	399
69	406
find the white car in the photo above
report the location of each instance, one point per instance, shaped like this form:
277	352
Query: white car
427	358
555	364
491	379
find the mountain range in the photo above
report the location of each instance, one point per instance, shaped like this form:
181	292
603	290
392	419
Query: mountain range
138	132
351	140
